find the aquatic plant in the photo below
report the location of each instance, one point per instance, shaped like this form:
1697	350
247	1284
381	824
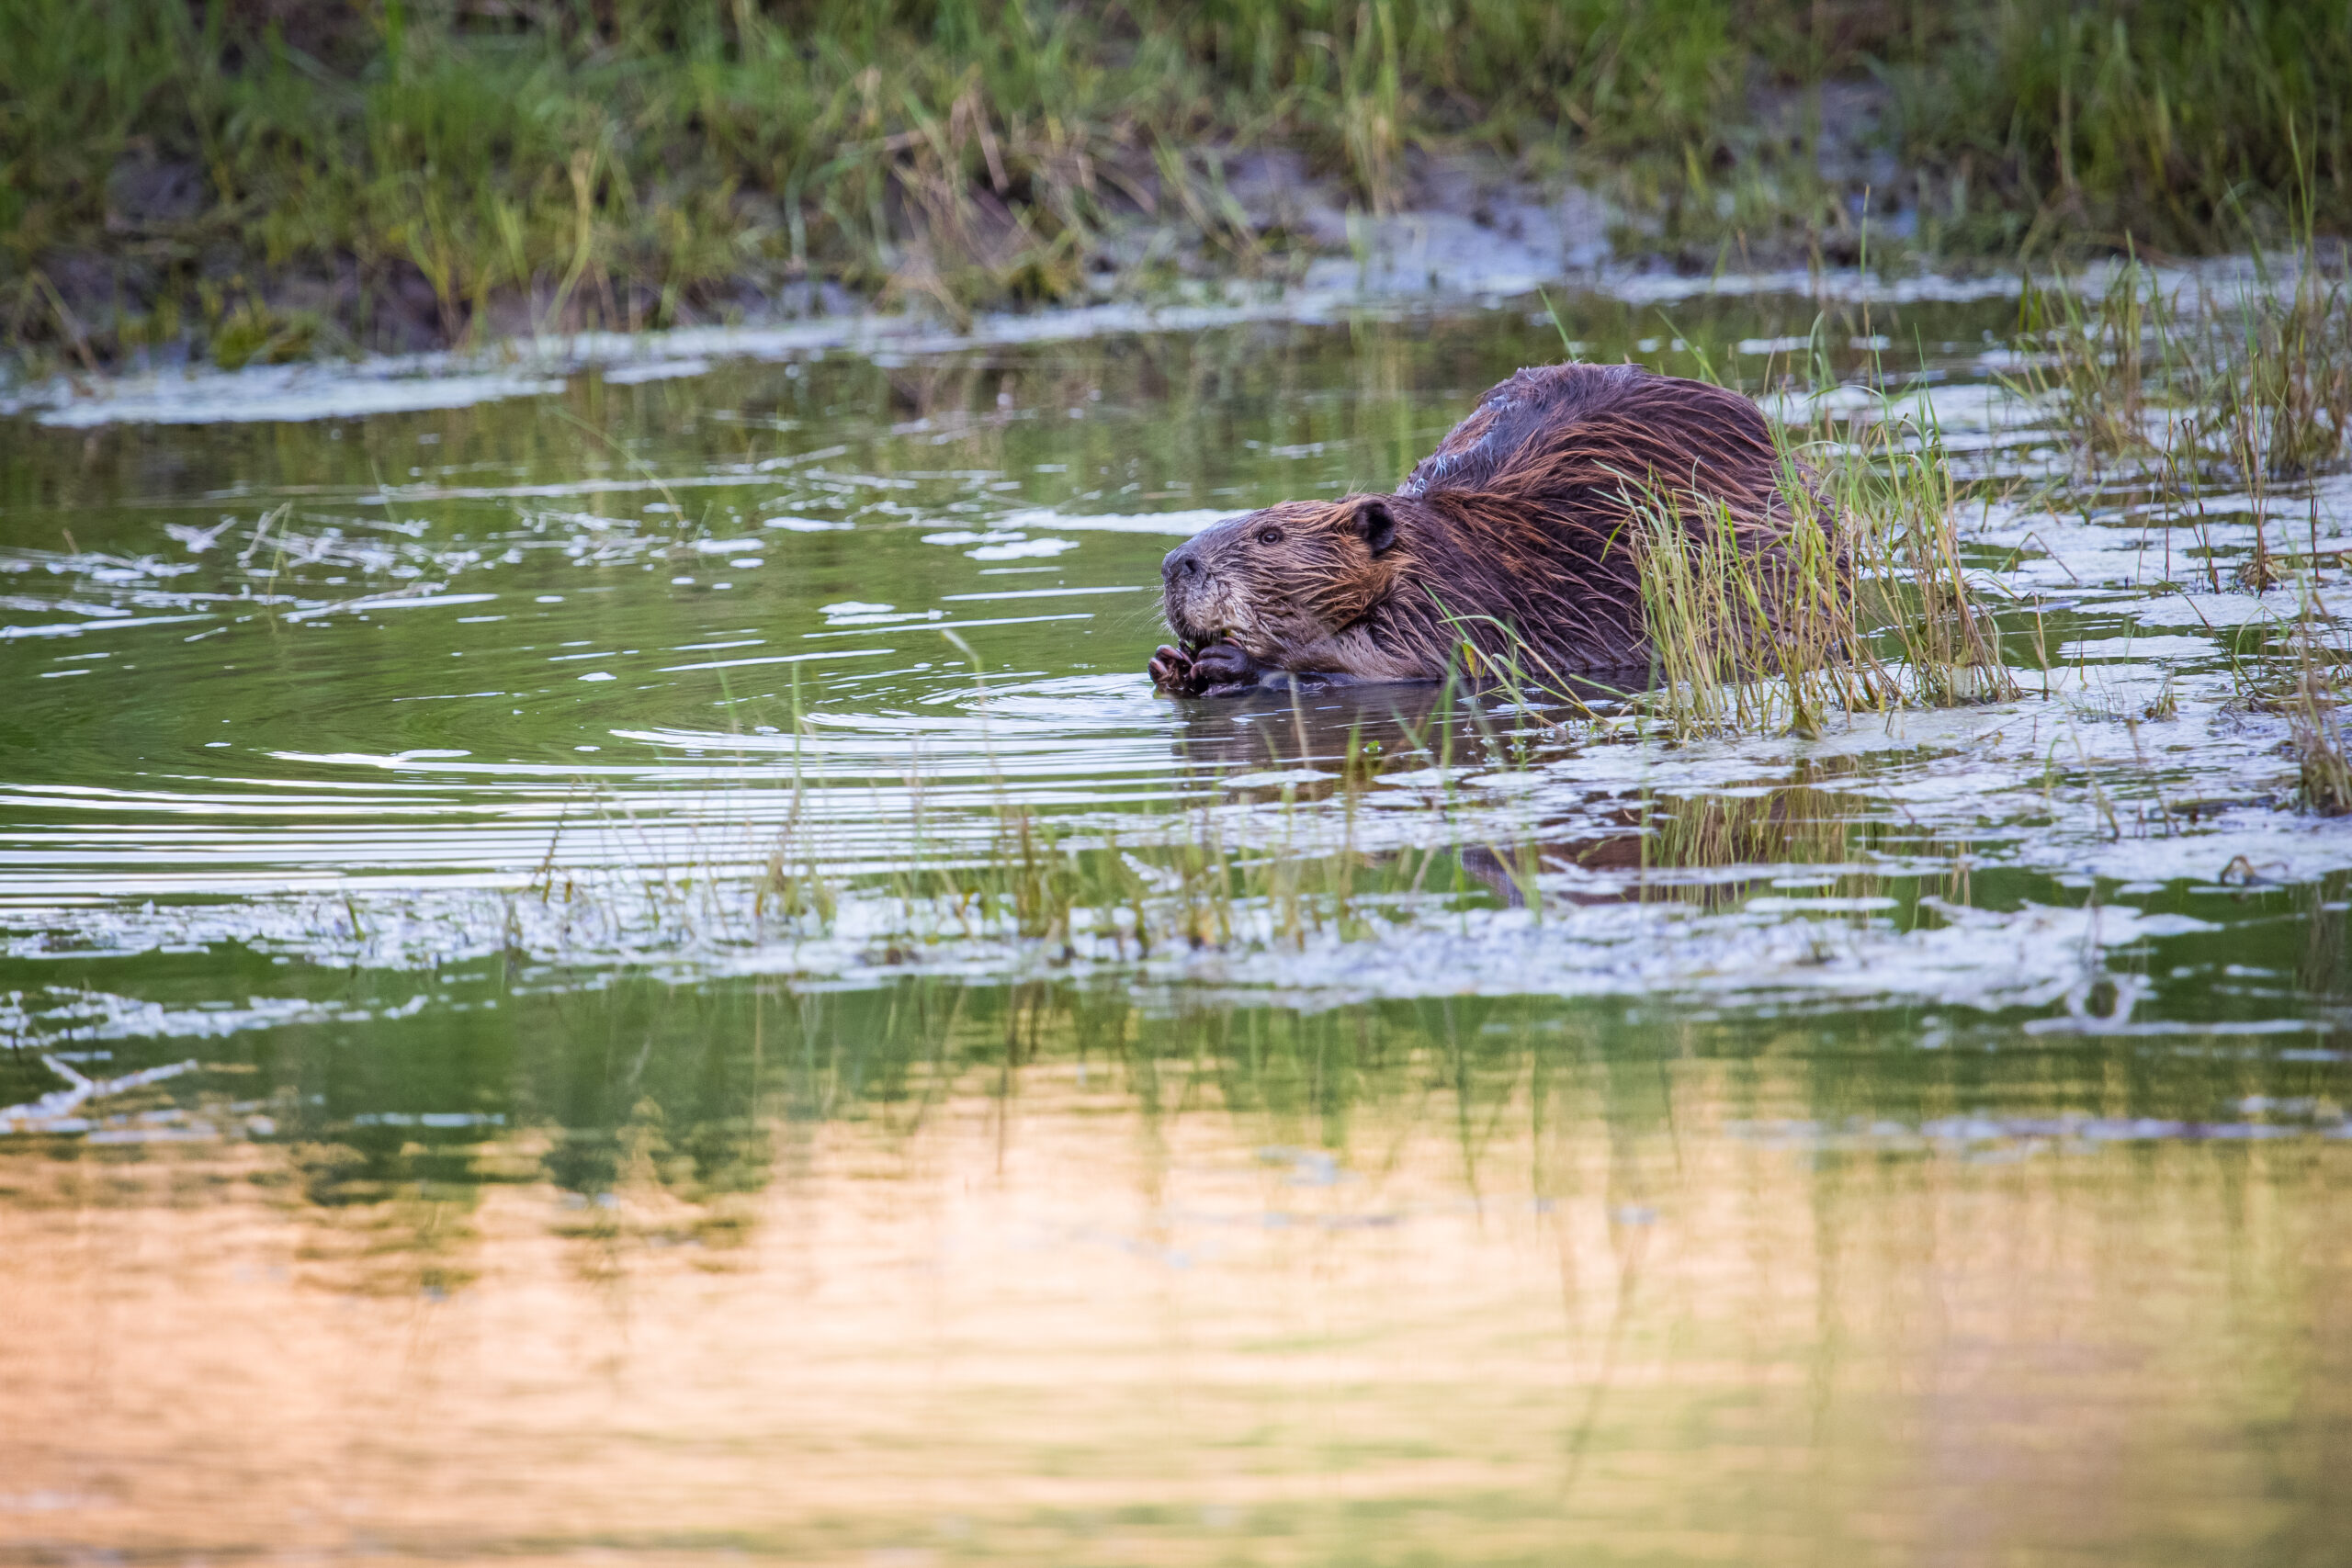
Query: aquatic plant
1894	477
2252	378
2100	366
2246	388
2308	680
1745	638
2276	399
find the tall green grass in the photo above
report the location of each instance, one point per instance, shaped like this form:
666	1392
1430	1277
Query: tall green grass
1743	639
277	179
2179	123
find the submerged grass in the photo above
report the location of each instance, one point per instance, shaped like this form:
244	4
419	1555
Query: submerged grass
2278	402
1219	875
2090	360
269	181
2253	382
2189	388
2314	699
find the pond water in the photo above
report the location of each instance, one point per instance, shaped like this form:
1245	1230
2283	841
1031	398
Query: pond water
633	969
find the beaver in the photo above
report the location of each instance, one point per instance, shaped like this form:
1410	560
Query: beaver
1517	530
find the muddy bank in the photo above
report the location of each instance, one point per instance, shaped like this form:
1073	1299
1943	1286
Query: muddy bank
1511	252
1254	226
1412	263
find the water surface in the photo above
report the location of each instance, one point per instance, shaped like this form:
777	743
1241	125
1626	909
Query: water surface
525	1041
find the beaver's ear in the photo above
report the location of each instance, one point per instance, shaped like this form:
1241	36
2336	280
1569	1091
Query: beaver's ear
1375	525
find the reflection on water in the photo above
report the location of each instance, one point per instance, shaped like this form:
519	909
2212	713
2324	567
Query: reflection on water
550	1009
940	1273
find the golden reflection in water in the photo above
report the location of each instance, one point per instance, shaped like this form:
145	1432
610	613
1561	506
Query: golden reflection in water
1599	1318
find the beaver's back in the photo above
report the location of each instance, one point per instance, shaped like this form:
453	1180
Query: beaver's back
1520	518
1567	427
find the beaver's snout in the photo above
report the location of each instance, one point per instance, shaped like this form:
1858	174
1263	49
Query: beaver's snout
1184	577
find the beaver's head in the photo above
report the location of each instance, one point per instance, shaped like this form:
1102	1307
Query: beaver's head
1279	579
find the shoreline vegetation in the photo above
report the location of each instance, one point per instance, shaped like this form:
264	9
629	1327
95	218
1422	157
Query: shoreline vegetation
241	181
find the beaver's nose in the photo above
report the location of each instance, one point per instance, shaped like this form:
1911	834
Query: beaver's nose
1182	562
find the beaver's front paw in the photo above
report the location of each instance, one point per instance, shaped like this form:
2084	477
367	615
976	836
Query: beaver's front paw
1223	668
1171	672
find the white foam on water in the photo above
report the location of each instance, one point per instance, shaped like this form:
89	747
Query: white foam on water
277	392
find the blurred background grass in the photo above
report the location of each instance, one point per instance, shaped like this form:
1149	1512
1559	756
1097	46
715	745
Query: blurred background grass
275	178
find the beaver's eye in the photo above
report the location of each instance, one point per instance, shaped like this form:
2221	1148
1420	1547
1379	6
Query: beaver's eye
1270	535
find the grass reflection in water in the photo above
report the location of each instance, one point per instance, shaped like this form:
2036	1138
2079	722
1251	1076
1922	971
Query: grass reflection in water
1038	1273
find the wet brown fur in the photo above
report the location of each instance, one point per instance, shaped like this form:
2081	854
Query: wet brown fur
1521	516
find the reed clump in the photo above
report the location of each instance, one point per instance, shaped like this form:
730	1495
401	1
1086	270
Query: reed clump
1744	637
1893	476
2305	681
2276	399
2243	388
2249	383
2323	769
2099	365
2283	405
1861	602
2249	389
